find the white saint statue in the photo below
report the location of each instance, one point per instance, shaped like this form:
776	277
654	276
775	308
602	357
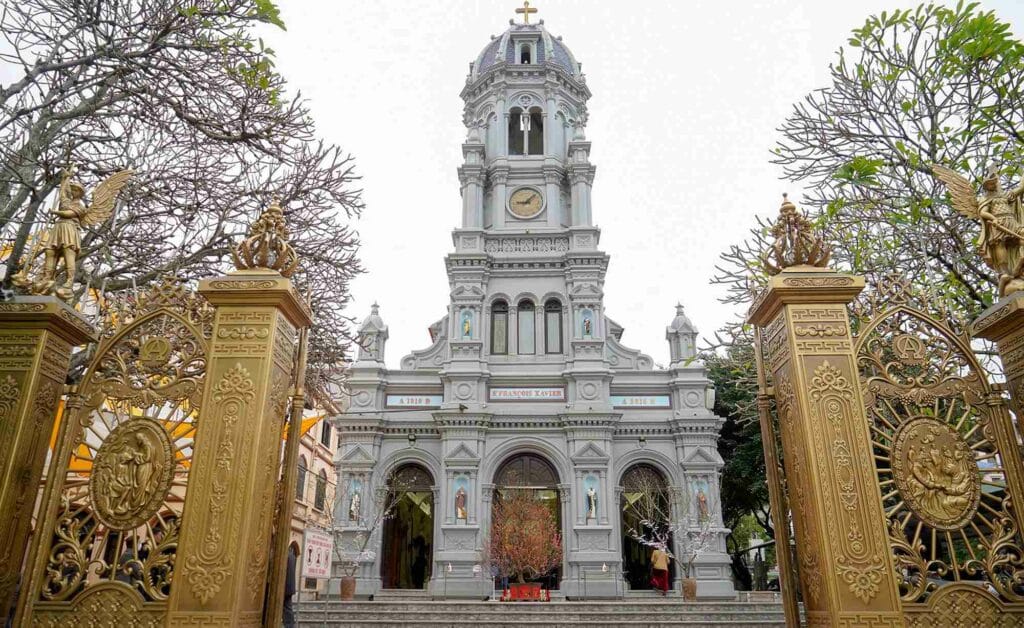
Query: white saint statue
591	503
353	507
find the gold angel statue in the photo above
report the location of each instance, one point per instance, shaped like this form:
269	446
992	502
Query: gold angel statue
63	241
1002	223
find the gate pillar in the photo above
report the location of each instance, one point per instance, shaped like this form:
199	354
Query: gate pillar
37	334
224	552
846	571
1003	323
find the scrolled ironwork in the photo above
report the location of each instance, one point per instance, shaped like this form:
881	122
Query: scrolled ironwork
932	414
113	517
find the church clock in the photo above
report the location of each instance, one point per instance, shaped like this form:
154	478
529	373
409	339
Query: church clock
525	203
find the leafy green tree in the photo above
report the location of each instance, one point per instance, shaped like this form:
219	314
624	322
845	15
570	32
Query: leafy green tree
910	88
744	490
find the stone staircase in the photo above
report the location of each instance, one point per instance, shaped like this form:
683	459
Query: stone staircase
604	613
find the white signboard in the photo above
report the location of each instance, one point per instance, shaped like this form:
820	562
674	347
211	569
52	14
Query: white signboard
527	394
316	554
641	401
414	401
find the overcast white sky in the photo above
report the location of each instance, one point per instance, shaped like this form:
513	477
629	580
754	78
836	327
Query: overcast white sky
686	97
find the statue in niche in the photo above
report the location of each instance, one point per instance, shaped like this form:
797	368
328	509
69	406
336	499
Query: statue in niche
460	503
702	504
467	325
587	323
591	503
353	507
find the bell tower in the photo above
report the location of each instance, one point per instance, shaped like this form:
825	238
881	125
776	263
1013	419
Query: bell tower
526	160
526	276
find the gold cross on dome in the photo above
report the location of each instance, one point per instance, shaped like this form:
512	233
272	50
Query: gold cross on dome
526	11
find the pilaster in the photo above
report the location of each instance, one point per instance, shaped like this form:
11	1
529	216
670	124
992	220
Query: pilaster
847	575
37	335
226	530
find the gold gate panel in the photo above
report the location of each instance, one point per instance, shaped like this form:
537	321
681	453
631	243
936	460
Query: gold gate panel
110	526
938	431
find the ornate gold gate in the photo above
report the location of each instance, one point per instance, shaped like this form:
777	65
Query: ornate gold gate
891	453
946	455
105	548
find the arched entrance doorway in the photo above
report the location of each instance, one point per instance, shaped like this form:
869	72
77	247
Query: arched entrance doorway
532	473
408	535
645	498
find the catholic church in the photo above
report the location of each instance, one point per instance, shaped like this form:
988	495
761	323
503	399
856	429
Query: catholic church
526	383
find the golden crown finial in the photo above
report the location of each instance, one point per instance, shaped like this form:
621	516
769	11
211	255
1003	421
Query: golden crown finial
267	246
796	243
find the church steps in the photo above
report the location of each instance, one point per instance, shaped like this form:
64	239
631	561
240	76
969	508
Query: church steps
596	613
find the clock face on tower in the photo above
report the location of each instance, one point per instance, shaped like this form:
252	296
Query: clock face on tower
525	203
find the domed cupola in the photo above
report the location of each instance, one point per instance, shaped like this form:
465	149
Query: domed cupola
682	338
526	44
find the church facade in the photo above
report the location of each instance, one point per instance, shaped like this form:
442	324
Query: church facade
526	383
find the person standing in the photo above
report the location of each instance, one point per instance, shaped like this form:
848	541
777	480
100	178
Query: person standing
659	566
289	591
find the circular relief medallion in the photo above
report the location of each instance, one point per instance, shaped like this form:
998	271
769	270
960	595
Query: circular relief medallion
463	391
693	399
588	390
936	473
131	474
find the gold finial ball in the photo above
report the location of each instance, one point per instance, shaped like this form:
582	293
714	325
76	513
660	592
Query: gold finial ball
787	206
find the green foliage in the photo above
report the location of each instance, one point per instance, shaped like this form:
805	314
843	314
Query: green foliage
743	485
859	170
912	87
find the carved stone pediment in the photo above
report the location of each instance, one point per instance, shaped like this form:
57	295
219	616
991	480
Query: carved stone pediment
590	454
701	455
357	455
462	456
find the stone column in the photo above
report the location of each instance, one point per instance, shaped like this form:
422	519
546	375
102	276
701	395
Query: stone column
222	560
36	338
846	571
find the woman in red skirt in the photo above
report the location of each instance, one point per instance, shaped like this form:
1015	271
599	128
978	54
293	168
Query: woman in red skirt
659	564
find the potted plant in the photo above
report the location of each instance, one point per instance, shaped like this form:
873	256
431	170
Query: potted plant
524	544
698	538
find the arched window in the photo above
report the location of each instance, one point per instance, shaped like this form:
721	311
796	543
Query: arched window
325	434
321	490
552	326
524	54
526	131
527	324
499	328
535	134
518	125
300	481
526	471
